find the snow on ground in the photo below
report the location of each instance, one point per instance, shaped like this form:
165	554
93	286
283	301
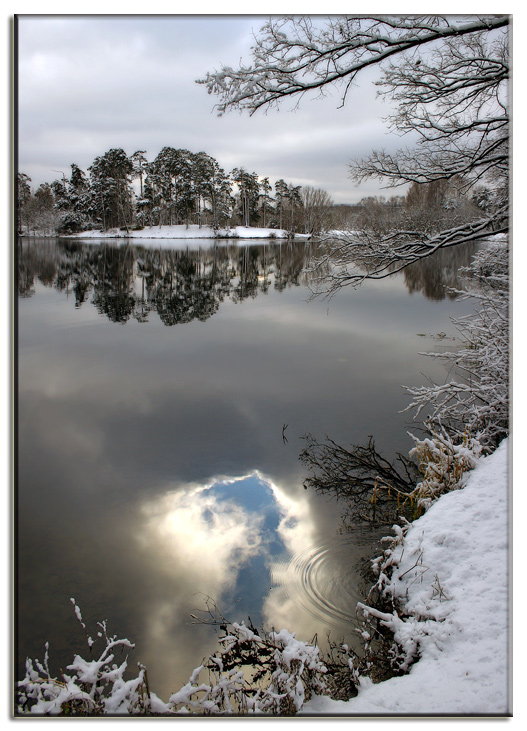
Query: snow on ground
460	585
189	232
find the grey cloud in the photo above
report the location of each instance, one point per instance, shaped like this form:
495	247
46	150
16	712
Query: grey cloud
91	83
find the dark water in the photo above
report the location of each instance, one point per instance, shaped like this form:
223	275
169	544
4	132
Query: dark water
154	390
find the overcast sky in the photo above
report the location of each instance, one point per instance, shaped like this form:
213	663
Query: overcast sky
90	83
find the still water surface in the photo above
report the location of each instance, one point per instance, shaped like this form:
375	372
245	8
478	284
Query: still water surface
162	399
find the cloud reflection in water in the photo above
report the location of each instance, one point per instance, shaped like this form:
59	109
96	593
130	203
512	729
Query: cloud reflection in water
226	540
225	535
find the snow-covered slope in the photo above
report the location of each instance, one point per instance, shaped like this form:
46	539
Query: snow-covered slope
459	590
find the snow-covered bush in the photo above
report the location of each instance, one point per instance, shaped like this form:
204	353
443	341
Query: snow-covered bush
477	397
280	673
442	464
268	673
383	616
90	688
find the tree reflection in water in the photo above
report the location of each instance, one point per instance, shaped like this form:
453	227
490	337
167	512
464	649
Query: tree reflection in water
181	285
438	276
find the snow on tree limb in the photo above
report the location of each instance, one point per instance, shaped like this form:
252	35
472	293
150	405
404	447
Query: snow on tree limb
449	79
292	55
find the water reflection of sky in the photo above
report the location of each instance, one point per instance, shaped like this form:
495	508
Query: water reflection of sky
123	430
224	535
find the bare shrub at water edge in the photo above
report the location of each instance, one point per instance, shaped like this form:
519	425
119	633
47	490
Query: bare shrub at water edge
372	488
375	490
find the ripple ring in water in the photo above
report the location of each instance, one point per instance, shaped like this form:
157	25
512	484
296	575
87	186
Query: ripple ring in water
322	580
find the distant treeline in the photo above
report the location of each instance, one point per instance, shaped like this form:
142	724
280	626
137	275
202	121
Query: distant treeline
182	187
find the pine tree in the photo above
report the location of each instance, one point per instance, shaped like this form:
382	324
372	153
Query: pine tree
110	182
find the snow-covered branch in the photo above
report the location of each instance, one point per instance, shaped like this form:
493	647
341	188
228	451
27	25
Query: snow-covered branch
293	55
448	77
476	398
353	257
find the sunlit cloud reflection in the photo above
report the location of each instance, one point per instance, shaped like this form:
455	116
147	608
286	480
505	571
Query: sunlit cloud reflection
195	533
229	543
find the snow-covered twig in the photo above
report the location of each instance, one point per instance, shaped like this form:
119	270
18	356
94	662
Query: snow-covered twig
477	399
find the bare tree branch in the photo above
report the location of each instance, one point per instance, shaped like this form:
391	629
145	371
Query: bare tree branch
354	257
292	55
449	79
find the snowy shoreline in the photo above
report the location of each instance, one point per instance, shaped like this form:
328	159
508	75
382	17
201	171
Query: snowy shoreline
453	572
451	578
188	232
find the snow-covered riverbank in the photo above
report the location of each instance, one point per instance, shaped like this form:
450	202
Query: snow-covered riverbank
189	232
455	574
452	573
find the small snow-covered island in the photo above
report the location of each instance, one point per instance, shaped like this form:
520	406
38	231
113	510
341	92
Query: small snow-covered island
179	194
187	426
191	232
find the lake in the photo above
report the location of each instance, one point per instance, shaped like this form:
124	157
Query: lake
163	397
